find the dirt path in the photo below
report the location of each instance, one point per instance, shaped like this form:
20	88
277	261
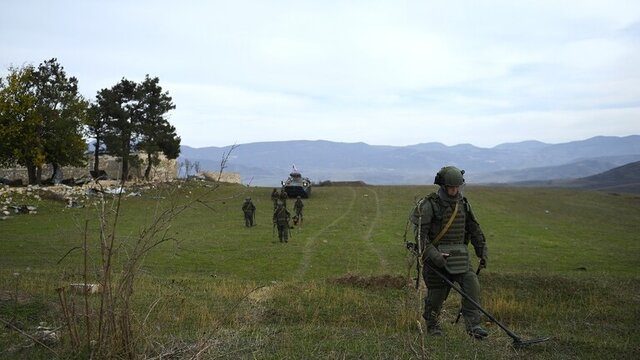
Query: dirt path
308	246
369	234
367	237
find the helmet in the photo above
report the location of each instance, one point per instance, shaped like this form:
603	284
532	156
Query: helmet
449	176
298	197
247	199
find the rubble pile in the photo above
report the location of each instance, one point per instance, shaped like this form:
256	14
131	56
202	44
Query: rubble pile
23	199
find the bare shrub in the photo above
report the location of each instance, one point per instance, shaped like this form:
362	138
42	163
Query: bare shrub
106	330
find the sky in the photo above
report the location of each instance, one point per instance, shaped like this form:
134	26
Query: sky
379	72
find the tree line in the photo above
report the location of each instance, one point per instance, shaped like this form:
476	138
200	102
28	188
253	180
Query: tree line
45	120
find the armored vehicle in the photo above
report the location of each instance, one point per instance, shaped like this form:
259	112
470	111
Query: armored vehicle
296	185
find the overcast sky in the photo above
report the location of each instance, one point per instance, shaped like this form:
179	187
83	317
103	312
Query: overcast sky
380	72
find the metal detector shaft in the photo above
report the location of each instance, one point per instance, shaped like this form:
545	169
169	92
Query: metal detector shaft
515	337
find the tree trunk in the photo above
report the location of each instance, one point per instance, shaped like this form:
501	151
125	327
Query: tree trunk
96	156
54	173
125	167
125	161
148	169
38	179
31	171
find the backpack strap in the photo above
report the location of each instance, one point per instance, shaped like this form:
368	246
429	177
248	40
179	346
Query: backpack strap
446	227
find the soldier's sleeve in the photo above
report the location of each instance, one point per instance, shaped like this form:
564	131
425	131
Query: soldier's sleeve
421	217
474	233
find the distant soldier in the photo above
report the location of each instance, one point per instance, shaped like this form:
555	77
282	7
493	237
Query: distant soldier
283	197
249	211
274	197
281	218
298	206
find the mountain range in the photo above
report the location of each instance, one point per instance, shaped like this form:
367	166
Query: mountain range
267	163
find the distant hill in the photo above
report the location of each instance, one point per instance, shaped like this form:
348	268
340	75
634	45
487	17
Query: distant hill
624	178
267	163
570	170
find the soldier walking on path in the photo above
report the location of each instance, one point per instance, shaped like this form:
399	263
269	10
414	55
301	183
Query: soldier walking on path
249	211
274	197
444	226
297	207
283	197
281	218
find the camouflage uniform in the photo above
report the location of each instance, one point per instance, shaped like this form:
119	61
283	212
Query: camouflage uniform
283	197
249	209
281	218
274	197
430	216
298	206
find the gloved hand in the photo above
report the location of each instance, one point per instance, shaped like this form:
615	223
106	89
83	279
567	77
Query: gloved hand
439	260
436	256
483	262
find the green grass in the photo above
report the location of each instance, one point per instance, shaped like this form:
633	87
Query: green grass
563	263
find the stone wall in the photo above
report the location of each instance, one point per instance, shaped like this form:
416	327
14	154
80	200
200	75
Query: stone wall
167	169
228	177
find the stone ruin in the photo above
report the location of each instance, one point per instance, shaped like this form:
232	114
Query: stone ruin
167	170
84	186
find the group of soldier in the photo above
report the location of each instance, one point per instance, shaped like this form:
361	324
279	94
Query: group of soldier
281	215
444	226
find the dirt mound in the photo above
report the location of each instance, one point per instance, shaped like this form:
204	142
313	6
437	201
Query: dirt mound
371	282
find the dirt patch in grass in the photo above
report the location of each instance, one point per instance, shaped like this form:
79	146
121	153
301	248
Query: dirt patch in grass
261	294
371	282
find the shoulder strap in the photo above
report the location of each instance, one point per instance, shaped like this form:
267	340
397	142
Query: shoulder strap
446	227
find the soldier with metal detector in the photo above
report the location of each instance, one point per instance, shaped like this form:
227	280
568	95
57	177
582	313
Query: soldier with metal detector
444	225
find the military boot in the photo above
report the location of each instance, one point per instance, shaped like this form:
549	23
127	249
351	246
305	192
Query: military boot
434	330
478	332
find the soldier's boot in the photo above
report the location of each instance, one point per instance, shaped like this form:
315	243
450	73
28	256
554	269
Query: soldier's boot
433	325
472	324
434	329
478	332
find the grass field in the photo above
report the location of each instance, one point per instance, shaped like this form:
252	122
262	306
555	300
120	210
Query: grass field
563	263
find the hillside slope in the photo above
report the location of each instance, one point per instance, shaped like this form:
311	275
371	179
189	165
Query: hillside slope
624	178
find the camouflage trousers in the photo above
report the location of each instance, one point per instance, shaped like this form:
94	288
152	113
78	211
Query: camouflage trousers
438	291
283	233
248	219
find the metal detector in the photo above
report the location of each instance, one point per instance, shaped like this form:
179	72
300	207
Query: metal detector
517	340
